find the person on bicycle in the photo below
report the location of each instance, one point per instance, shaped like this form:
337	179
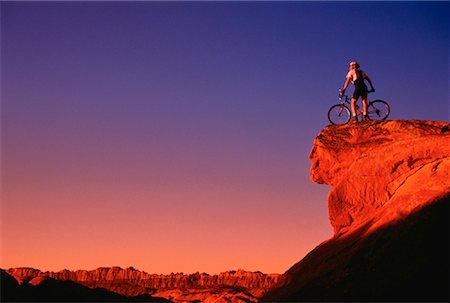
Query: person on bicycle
357	77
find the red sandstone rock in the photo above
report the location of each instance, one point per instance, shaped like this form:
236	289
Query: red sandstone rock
381	170
389	207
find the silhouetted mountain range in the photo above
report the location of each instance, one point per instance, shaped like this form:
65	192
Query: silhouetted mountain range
231	286
51	290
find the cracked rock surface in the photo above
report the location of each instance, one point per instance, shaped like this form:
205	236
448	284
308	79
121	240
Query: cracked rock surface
381	170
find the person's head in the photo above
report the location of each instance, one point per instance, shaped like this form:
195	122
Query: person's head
354	65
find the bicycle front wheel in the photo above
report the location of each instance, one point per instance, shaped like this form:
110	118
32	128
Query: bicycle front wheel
339	114
378	110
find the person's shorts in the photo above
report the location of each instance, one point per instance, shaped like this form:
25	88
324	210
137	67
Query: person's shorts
360	92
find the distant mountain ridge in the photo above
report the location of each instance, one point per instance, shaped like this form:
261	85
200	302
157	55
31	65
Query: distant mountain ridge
51	290
234	286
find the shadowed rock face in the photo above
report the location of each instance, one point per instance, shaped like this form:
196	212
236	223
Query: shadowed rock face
232	286
389	210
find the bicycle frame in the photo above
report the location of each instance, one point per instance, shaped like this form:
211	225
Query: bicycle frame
345	99
340	113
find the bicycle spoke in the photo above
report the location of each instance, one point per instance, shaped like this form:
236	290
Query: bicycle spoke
339	114
378	110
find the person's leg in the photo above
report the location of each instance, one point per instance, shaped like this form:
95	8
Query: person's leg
365	102
353	105
355	97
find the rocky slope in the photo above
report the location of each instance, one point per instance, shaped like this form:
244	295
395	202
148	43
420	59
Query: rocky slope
232	286
389	209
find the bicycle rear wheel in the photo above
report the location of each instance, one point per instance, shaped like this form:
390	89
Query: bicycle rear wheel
339	114
378	110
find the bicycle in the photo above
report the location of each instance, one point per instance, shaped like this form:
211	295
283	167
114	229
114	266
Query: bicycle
340	113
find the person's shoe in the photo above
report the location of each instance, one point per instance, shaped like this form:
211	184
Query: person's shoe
354	119
365	118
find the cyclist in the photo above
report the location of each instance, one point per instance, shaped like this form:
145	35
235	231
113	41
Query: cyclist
357	77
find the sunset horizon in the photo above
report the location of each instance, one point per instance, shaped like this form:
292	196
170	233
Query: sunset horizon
174	137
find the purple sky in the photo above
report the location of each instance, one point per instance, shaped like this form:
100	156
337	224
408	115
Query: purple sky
175	136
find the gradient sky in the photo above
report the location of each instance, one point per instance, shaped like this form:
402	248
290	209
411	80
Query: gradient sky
174	137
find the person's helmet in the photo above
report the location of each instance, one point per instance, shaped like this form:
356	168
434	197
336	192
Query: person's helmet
355	63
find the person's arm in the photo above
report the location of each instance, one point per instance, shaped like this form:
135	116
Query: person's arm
370	81
347	82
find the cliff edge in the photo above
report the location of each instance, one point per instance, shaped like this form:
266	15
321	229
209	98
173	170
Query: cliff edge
381	170
388	207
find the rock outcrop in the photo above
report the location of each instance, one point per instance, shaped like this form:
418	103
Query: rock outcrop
389	209
231	286
388	167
